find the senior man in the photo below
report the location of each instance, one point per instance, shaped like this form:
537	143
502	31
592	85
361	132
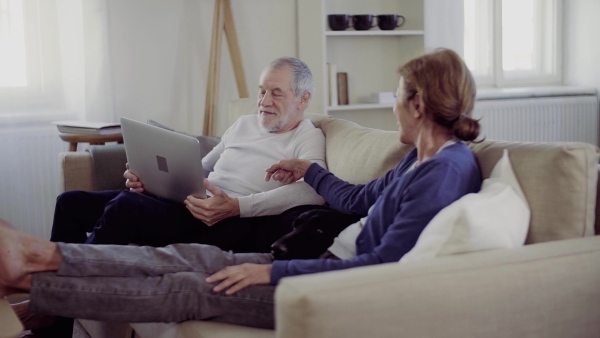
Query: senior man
240	199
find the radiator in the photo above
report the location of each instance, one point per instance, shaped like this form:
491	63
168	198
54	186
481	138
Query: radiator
543	119
29	177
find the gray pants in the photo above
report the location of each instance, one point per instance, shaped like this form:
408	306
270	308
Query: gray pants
144	284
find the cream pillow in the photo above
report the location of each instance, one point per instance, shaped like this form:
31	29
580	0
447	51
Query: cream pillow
497	217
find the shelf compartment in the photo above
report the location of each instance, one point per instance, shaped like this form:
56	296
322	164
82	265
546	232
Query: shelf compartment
360	106
375	33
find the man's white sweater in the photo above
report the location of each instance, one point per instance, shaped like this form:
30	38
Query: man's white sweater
237	165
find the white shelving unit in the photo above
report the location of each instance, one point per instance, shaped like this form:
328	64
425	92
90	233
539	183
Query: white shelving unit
373	33
362	106
370	58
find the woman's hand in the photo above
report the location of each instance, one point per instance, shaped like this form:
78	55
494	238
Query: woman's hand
236	277
132	182
287	171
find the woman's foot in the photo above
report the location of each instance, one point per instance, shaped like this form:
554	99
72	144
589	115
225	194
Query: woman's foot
12	259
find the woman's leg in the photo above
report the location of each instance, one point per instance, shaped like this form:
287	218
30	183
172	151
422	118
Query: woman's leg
143	284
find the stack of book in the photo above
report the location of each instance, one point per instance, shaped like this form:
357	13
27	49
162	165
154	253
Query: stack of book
87	127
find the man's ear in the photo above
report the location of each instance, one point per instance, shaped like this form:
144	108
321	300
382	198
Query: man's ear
304	101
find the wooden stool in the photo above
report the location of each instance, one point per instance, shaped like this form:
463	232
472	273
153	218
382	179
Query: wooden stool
74	139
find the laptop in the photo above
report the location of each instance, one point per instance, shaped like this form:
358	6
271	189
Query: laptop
167	162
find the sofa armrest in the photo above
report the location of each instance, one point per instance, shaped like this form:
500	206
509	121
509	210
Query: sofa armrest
75	171
98	168
540	290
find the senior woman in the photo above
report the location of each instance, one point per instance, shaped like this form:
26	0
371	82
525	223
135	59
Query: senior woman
192	281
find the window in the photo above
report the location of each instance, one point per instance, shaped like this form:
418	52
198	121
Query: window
30	68
513	42
12	44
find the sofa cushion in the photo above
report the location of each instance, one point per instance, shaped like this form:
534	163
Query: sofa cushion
542	290
497	217
558	180
199	329
358	154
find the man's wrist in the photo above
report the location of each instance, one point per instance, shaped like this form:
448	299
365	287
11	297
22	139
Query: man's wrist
236	206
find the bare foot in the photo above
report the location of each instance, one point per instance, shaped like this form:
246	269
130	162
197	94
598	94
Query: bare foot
12	258
22	254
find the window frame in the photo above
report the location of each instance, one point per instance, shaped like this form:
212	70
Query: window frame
551	10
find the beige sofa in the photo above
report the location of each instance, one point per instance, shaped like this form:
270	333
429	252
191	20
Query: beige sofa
548	288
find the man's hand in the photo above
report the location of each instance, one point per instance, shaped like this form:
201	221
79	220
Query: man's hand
287	171
236	277
132	182
214	209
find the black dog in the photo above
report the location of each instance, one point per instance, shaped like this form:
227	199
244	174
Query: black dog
313	233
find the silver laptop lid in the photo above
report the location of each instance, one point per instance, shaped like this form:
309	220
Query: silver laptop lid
169	164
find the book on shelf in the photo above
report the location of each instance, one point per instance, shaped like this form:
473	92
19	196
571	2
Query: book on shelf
333	89
87	127
342	84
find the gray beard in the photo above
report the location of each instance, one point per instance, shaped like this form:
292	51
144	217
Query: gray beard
273	128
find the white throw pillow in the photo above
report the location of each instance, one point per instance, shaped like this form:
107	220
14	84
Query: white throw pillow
494	218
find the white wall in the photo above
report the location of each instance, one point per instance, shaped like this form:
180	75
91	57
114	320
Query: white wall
160	50
581	42
443	24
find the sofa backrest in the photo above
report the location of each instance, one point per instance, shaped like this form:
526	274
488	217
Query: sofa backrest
357	154
559	180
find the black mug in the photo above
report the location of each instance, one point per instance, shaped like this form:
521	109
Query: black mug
388	22
362	22
338	22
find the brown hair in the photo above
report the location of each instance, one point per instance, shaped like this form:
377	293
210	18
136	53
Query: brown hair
447	89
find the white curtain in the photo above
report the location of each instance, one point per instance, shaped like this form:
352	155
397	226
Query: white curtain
68	76
67	62
94	51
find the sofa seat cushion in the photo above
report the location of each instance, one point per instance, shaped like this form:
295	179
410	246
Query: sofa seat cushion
199	329
541	290
189	329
